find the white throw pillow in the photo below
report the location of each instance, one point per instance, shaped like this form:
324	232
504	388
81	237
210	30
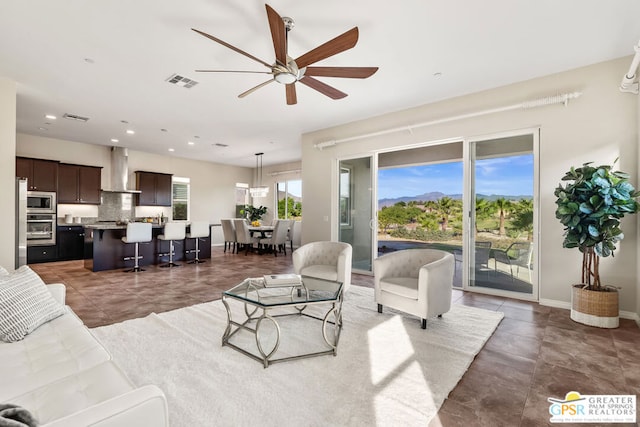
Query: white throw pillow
25	304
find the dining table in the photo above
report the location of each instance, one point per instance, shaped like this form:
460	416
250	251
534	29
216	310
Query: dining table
264	230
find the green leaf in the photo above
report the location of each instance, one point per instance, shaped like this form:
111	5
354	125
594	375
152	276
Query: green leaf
585	208
593	231
575	220
600	182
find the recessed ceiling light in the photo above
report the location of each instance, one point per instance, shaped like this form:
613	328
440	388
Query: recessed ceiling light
196	137
124	121
89	60
172	150
50	116
130	132
163	130
41	128
191	143
115	140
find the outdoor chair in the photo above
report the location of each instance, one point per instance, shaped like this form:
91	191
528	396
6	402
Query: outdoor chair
415	281
518	254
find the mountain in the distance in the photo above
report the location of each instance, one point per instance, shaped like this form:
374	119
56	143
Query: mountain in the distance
436	195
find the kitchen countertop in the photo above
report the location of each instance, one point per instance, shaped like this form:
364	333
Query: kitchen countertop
108	225
113	226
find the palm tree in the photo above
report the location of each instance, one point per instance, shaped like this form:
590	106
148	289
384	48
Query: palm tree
484	209
523	216
446	207
503	206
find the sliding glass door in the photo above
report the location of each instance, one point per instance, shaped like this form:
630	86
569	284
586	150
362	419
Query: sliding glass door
503	215
356	218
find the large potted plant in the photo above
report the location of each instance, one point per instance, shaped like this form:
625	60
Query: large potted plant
590	206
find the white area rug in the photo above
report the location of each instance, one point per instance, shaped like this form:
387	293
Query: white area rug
387	371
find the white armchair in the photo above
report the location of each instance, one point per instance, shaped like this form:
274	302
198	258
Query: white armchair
415	281
324	260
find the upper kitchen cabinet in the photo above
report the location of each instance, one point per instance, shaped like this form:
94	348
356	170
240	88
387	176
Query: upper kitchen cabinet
42	175
79	184
155	189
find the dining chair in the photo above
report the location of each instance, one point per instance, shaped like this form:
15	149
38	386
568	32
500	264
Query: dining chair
229	235
243	236
278	239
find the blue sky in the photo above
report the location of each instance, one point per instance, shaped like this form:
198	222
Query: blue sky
508	176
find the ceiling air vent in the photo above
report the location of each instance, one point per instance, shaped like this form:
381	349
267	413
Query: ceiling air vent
179	80
75	117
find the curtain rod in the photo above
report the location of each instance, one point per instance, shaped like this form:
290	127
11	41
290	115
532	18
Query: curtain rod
627	84
541	102
285	172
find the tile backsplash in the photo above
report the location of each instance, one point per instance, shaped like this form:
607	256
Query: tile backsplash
116	207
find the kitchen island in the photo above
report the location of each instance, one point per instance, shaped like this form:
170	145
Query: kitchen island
105	250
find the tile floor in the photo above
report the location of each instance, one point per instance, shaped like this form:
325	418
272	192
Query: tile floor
535	353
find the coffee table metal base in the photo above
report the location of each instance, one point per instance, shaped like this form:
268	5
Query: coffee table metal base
266	357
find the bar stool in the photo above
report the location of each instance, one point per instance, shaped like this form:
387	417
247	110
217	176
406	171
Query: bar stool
137	232
172	231
197	230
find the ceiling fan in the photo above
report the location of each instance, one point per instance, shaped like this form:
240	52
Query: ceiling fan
289	71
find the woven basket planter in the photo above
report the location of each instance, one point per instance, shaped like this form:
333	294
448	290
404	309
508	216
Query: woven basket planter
595	308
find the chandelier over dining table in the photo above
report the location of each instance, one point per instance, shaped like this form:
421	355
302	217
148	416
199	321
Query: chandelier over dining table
259	190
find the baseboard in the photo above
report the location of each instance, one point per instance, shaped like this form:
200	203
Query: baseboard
567	306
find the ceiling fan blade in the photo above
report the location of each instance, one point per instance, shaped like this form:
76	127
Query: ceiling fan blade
253	89
292	99
240	51
339	44
278	35
323	88
232	71
348	72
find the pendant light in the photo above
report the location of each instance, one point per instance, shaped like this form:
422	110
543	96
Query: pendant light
259	190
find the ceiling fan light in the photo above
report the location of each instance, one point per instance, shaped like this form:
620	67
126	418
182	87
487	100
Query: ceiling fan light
285	78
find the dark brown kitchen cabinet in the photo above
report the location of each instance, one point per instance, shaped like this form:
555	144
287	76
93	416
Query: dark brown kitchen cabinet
42	175
155	189
78	184
70	242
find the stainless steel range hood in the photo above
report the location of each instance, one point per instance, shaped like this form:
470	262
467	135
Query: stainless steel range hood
120	172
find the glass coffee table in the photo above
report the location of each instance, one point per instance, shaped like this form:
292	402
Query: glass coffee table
259	304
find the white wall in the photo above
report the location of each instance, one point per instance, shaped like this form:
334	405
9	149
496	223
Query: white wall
599	126
7	171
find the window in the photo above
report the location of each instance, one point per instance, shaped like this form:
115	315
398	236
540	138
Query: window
242	198
289	194
345	196
180	198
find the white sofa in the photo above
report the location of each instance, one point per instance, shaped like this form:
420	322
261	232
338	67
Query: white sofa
65	377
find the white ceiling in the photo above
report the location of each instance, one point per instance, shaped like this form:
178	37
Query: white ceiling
135	45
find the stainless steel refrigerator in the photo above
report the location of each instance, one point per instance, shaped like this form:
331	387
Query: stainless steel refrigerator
21	222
